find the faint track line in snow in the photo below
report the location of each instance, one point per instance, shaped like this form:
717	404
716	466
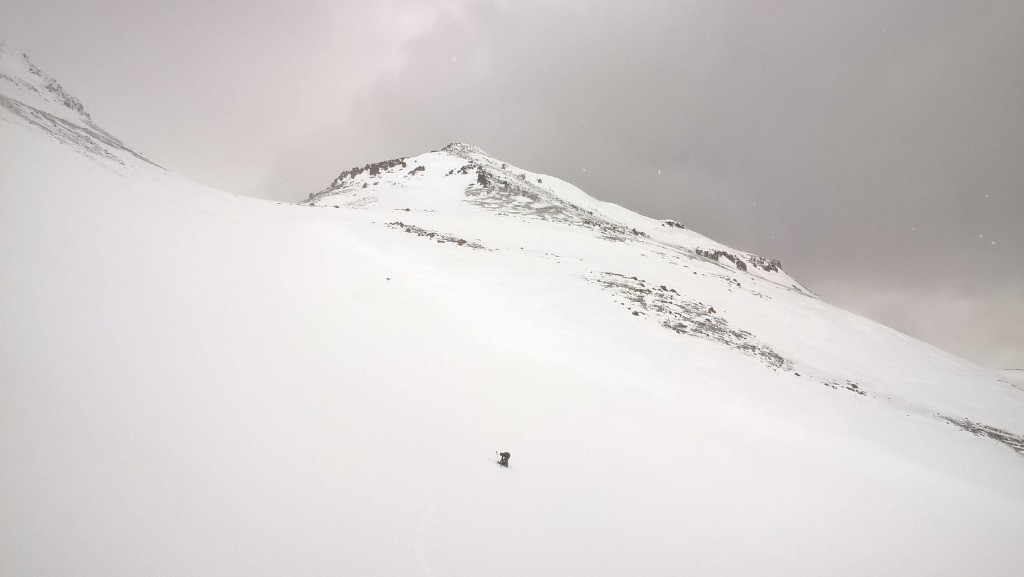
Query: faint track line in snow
422	522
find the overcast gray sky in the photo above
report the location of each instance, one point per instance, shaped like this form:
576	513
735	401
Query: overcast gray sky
875	147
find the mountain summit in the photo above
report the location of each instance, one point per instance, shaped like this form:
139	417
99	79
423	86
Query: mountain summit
198	383
463	172
461	180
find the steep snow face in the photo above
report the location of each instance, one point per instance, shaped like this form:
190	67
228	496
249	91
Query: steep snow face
198	383
30	96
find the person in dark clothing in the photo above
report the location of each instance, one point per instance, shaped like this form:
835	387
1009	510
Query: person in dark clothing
504	459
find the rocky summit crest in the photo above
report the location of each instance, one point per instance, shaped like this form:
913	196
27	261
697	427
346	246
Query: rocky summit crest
464	150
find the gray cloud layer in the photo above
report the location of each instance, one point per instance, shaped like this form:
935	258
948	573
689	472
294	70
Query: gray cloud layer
877	148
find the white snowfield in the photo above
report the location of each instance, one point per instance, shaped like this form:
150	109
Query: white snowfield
197	383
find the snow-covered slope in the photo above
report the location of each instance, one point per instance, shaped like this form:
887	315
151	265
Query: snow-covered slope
27	93
199	383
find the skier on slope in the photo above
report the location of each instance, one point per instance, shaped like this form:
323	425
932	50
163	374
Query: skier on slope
504	459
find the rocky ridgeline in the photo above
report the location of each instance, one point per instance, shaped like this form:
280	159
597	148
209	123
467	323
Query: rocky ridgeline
371	170
87	139
685	317
440	237
500	189
464	169
463	150
42	80
53	87
1015	442
765	264
514	194
78	132
508	192
848	386
344	180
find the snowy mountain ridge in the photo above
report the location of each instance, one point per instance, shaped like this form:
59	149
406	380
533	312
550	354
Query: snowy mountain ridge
507	190
195	382
38	99
462	179
461	195
18	70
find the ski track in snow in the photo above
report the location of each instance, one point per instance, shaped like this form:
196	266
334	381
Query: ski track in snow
421	557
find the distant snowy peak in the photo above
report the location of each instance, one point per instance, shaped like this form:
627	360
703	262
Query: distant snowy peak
30	96
461	177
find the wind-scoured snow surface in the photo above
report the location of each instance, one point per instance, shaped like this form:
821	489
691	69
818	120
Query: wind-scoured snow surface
195	383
